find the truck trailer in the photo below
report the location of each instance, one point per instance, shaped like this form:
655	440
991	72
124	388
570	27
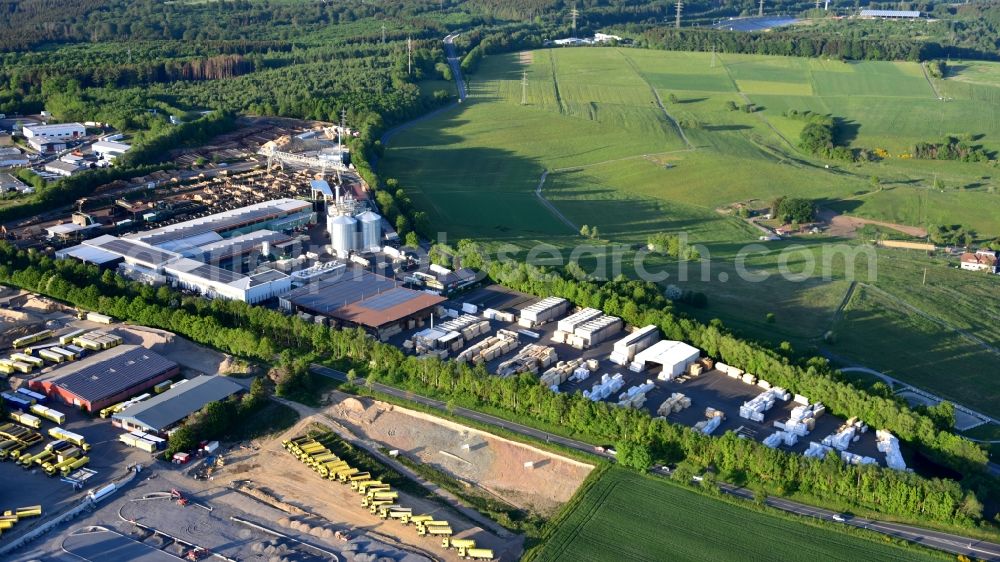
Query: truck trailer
475	553
27	419
74	438
53	416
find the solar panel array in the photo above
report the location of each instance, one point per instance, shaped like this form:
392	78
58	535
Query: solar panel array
331	294
107	374
389	299
135	251
213	273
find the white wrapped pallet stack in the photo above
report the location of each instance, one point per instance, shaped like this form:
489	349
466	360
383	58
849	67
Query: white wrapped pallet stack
580	374
817	450
773	440
755	408
626	348
847	433
852	458
802	419
887	443
603	388
709	425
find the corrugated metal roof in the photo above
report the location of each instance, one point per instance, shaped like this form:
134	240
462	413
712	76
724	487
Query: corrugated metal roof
223	221
162	411
362	298
321	186
110	372
890	13
88	254
132	250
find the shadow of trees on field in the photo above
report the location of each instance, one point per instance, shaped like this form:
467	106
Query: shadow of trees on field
468	191
845	131
726	127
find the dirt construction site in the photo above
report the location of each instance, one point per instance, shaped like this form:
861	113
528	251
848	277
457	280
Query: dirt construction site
275	472
524	476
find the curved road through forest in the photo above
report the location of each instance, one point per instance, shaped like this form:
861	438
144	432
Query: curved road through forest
934	539
456	72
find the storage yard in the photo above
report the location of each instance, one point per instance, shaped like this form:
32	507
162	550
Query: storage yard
588	352
174	515
524	476
277	467
51	449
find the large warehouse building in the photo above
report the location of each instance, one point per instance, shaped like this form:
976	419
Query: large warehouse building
206	255
162	412
106	378
60	131
355	297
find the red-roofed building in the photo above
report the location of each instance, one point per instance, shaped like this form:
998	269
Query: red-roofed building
982	260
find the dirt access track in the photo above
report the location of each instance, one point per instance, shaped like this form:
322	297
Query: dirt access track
495	465
845	226
273	469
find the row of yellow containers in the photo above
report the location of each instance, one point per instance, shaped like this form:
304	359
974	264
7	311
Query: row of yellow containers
32	421
377	496
62	456
12	516
158	389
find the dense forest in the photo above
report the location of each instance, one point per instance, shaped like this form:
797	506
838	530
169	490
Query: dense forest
258	333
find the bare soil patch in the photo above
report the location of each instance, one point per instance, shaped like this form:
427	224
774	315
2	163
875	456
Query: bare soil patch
845	226
524	476
177	349
285	477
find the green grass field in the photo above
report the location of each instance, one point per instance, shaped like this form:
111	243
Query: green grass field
616	162
923	351
625	516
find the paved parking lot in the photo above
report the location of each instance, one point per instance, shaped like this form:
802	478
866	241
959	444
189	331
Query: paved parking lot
711	389
108	458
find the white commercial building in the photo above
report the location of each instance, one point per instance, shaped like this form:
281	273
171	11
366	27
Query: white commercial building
46	144
58	131
184	255
61	168
12	157
110	149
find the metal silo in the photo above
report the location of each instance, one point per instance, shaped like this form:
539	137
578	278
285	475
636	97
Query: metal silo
342	234
371	230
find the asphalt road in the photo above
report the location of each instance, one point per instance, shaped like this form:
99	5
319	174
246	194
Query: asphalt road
456	71
933	539
455	64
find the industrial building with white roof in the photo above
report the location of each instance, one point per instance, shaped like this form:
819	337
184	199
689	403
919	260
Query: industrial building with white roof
189	254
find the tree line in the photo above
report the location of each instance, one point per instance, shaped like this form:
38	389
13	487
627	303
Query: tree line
258	333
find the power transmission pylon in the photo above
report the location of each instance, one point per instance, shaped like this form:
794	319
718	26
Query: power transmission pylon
524	87
383	34
680	8
409	56
760	10
713	56
575	13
